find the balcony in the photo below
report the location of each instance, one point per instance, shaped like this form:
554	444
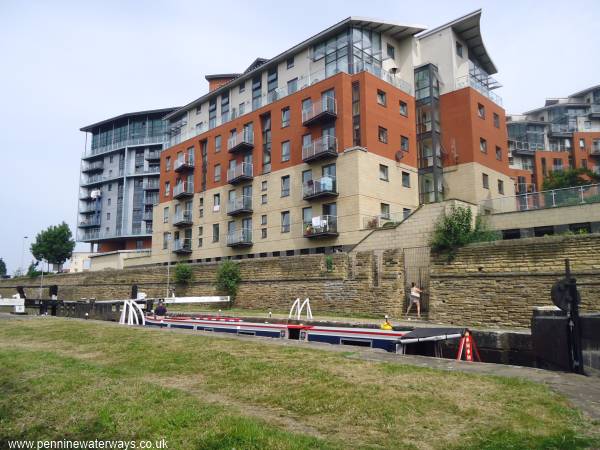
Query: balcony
240	205
321	227
99	179
147	216
182	246
97	166
90	209
132	142
240	173
240	238
151	184
89	223
561	130
320	113
183	219
557	168
185	189
242	141
153	155
594	112
322	148
184	163
321	188
150	170
595	150
521	148
151	199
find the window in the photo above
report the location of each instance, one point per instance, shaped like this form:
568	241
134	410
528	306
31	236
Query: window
381	97
459	49
166	239
166	214
242	109
582	143
110	159
242	86
217	173
406	212
496	120
216	202
263	186
485	180
383	172
285	186
501	187
483	145
167	189
405	179
584	163
263	199
285	117
403	108
215	232
200	231
199	109
199	242
385	210
107	216
217	144
167	163
355	113
290	62
383	135
404	143
391	51
263	233
263	220
108	202
285	222
292	85
110	187
481	110
498	153
285	151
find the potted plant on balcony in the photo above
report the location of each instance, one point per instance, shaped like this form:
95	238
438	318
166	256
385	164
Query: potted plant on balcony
308	229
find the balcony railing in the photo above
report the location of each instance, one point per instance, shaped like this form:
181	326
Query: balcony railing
578	195
152	184
319	188
524	148
182	218
151	199
182	246
184	162
93	167
594	110
557	168
239	205
146	140
99	179
150	170
147	216
240	238
244	140
320	112
595	150
153	155
239	173
183	189
383	220
93	208
470	81
324	147
321	226
562	128
89	223
304	81
95	235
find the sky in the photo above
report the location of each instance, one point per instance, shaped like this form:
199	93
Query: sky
67	64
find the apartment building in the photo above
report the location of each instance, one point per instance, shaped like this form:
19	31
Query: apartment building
119	184
351	129
564	133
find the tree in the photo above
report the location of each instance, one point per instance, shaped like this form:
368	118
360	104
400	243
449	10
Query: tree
569	177
228	278
183	273
55	244
32	271
2	267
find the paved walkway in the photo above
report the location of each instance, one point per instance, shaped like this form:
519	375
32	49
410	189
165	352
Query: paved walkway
582	391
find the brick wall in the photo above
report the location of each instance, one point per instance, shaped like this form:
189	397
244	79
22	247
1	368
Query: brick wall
366	283
498	284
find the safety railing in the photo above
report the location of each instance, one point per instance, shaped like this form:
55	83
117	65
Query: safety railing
320	187
244	170
320	226
241	237
470	81
323	146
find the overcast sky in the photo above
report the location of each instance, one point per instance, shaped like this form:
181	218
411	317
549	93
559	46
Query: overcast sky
68	64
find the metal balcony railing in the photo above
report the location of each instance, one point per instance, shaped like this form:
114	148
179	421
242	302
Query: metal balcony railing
595	150
182	245
92	167
151	199
239	205
556	168
96	234
562	128
98	179
383	220
148	215
151	184
93	208
321	187
183	189
322	111
244	140
145	170
183	162
471	81
241	172
321	226
146	140
240	238
323	147
182	218
95	222
153	155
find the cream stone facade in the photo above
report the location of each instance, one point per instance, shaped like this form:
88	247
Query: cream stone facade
466	182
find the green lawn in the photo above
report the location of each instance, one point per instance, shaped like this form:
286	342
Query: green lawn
68	379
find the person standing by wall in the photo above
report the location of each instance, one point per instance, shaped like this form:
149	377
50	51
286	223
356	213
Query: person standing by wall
415	298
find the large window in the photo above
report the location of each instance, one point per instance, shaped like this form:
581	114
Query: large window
285	151
285	117
265	120
212	113
285	222
215	232
256	93
285	186
225	107
355	113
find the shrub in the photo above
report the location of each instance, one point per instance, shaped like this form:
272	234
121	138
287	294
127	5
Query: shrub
329	263
456	229
183	273
228	278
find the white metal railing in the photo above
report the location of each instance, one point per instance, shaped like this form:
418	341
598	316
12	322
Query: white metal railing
91	235
470	81
555	198
145	140
243	137
185	187
185	159
182	245
243	202
241	236
321	145
244	169
320	225
327	104
524	146
182	216
324	185
176	135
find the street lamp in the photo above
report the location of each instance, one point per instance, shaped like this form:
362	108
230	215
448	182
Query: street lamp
23	252
168	264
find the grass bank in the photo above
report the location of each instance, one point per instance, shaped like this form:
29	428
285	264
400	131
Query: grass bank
68	379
